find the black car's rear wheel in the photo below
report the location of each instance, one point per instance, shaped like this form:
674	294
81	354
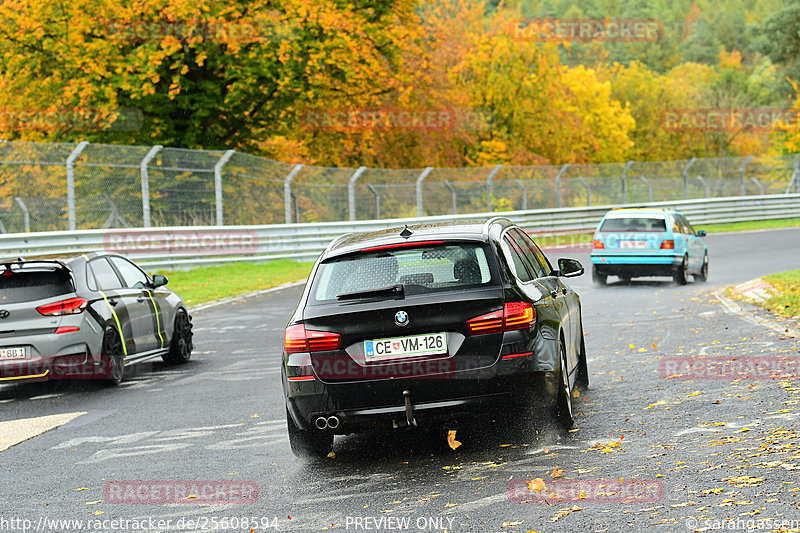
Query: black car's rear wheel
681	275
563	412
113	357
309	443
180	349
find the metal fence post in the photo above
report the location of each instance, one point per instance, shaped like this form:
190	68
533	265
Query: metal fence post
71	182
649	188
743	186
453	197
420	179
489	178
25	214
706	184
524	194
588	191
145	173
625	182
795	181
287	193
685	175
758	184
218	182
558	184
377	196
351	191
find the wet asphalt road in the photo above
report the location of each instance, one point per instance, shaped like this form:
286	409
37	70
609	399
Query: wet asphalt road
688	445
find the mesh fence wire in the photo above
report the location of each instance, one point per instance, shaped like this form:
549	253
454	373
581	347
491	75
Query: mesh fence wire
108	190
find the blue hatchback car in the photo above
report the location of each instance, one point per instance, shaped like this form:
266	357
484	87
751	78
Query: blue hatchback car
639	242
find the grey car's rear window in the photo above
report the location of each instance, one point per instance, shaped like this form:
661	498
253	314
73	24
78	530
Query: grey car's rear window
31	285
419	269
641	224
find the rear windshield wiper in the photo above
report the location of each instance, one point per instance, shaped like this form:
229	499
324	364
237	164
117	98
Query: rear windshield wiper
393	289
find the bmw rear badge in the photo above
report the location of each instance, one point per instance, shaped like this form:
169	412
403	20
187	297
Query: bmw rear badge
401	318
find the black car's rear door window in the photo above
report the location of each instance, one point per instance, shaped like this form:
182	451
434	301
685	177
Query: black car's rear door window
534	257
521	268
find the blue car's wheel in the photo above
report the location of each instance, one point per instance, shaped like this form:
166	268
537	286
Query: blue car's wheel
681	275
703	275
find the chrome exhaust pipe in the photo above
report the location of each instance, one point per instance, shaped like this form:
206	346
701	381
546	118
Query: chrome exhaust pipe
321	422
333	422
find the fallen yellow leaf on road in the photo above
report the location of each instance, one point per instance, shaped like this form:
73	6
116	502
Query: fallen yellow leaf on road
451	439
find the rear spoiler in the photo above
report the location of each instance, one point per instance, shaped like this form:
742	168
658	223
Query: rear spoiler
20	262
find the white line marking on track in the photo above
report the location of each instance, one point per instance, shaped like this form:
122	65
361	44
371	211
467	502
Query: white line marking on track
13	432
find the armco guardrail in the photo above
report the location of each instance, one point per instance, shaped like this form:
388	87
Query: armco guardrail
187	247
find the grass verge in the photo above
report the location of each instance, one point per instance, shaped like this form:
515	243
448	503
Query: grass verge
205	284
787	288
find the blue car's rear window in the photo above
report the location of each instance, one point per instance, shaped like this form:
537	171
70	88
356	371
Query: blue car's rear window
637	224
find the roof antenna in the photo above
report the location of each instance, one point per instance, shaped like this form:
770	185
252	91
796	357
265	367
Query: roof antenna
406	233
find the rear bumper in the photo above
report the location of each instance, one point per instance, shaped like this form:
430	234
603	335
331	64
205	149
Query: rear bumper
78	364
382	403
636	265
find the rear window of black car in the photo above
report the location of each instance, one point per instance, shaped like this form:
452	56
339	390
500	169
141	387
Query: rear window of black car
419	270
639	224
23	285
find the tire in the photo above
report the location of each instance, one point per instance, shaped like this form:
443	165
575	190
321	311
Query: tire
703	275
180	348
309	444
563	409
582	379
682	274
113	357
597	277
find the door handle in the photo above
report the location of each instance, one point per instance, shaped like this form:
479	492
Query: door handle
112	303
140	299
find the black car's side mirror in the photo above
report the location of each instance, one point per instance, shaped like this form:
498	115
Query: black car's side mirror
701	233
569	268
159	281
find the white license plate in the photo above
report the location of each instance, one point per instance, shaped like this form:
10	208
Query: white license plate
633	244
12	353
429	344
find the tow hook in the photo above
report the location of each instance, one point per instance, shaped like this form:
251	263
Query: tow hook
409	410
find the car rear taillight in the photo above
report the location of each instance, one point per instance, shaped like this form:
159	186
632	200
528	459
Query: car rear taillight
70	306
598	243
488	323
514	315
668	244
297	339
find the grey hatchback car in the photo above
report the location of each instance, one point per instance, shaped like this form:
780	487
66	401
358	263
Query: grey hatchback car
86	316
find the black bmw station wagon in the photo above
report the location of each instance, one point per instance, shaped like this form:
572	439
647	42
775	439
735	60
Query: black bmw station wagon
408	326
